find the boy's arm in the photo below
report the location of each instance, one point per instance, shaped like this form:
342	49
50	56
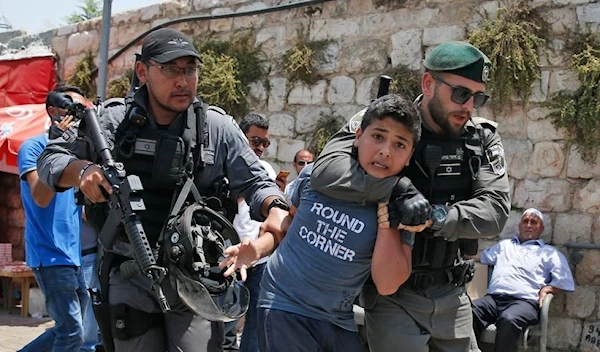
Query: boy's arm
392	260
27	157
338	175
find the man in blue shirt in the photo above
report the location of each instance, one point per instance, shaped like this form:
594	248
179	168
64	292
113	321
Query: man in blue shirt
52	244
525	271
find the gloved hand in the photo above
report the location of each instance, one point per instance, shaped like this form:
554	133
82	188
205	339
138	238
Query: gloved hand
407	206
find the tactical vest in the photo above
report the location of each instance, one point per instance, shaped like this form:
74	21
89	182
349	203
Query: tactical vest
443	169
158	157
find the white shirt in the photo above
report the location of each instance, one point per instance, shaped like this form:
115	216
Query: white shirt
242	223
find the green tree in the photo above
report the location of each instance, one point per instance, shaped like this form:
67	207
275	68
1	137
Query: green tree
90	9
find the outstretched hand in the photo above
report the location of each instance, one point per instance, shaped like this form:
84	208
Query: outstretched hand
240	257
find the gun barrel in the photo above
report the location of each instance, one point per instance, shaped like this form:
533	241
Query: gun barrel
384	85
96	134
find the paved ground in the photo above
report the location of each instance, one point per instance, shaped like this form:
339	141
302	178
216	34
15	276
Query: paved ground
16	332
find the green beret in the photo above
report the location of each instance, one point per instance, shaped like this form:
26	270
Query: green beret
459	58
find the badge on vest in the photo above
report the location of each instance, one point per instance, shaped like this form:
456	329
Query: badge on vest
495	156
145	146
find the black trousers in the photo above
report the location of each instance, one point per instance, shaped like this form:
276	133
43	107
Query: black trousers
511	315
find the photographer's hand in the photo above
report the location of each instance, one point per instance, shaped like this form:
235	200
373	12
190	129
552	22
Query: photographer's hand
65	123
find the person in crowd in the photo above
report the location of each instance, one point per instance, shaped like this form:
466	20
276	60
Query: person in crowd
52	242
162	135
332	246
526	269
301	159
459	166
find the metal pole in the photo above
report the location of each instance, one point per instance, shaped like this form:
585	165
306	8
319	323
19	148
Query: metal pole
104	40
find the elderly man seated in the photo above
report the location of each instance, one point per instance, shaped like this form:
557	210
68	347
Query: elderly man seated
525	270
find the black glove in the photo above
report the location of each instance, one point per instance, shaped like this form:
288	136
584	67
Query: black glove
407	205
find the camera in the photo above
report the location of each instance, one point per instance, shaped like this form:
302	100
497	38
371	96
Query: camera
63	101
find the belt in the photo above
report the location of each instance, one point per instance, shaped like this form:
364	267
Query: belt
89	251
425	279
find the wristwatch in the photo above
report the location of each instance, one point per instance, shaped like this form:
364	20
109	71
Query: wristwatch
438	216
279	203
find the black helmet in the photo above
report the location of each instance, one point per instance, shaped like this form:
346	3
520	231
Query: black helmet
193	246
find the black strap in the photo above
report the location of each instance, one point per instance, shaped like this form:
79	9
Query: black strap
89	251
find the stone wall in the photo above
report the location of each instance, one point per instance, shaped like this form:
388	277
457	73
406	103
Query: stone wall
12	215
363	40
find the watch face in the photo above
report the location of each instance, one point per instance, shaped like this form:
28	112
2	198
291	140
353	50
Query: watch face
439	215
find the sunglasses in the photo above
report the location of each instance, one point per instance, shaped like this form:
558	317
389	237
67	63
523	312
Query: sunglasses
256	141
303	162
461	95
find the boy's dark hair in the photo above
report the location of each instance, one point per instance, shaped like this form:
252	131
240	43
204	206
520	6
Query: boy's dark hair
397	108
63	89
253	120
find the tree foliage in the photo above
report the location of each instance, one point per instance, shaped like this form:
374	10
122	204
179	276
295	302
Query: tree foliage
90	9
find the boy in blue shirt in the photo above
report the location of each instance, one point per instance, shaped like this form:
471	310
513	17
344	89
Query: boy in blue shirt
52	243
333	246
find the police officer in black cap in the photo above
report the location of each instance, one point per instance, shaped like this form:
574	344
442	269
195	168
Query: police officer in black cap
459	166
155	136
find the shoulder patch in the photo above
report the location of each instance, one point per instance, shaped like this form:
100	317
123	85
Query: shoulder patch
356	120
489	124
495	156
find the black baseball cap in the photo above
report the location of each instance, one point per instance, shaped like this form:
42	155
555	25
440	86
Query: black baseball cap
167	44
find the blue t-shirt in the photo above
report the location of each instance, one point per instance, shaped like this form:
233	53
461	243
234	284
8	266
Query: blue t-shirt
51	233
324	259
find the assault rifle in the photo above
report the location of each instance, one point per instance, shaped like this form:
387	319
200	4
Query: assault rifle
123	204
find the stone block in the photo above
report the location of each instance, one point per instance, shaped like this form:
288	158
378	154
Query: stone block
587	199
577	168
538	113
277	93
439	35
124	34
548	159
572	227
288	148
59	44
564	333
596	231
281	125
518	154
588	15
540	88
149	12
416	18
588	270
257	95
582	302
380	25
221	25
271	40
345	111
544	194
365	56
407	48
328	60
569	2
558	305
544	130
563	80
302	93
513	124
561	20
66	30
254	21
366	90
79	43
334	29
590	337
308	116
512	225
341	90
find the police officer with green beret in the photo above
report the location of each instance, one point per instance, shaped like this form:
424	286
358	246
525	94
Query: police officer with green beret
459	166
